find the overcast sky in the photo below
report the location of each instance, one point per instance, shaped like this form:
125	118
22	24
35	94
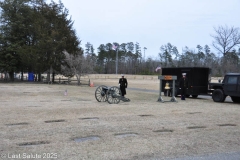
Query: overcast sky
151	23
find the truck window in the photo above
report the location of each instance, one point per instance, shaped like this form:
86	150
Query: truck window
232	80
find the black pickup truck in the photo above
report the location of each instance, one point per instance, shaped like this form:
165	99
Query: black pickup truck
230	86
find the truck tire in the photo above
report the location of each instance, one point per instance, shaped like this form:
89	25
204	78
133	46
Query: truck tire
218	95
235	99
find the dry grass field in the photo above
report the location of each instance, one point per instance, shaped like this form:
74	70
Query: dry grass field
40	121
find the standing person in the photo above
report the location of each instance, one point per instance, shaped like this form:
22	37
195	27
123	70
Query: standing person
123	85
183	86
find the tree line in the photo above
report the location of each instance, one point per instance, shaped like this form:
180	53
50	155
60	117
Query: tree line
39	37
33	35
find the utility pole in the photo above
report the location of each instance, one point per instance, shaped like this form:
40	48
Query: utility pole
144	52
115	47
117	60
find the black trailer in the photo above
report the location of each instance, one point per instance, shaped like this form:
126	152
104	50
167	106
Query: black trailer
198	79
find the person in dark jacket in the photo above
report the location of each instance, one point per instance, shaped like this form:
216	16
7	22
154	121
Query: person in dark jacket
183	86
123	85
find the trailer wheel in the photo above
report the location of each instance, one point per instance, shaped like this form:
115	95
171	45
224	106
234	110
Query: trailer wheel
218	95
235	99
194	96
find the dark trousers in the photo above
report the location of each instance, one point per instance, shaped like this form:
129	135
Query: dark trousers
123	90
183	93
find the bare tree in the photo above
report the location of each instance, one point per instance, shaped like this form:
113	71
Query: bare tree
226	39
76	65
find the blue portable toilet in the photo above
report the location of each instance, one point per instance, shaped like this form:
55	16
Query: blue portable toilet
30	76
